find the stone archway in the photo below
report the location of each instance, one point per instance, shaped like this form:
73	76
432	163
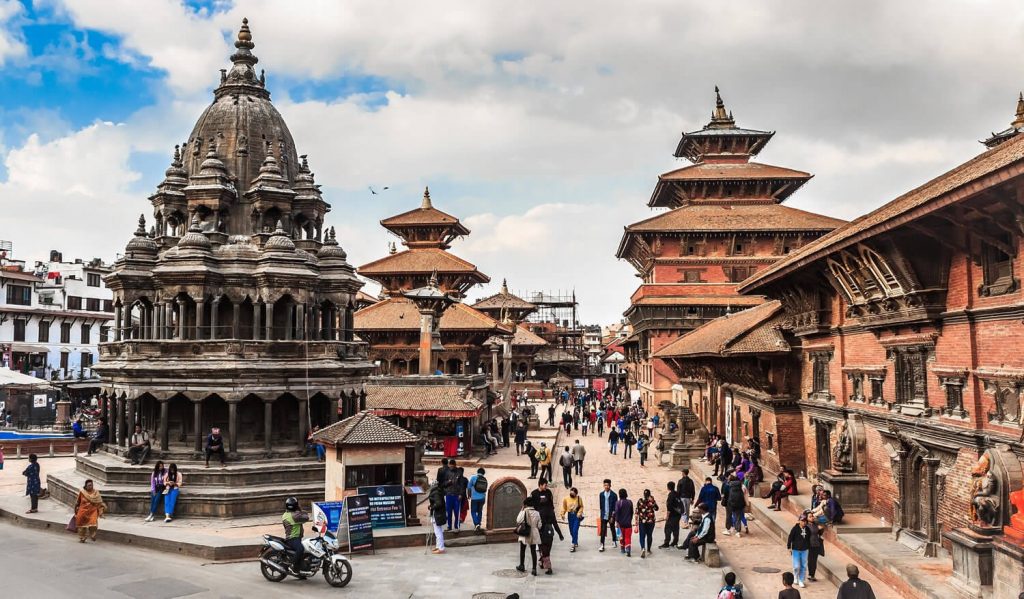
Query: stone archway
285	420
180	423
250	420
320	411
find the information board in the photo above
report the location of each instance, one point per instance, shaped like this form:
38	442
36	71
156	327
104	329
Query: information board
387	505
360	529
329	513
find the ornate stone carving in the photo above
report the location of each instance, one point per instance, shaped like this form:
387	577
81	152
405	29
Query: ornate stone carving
842	454
997	472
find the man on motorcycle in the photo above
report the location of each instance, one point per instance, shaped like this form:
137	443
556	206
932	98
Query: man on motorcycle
292	521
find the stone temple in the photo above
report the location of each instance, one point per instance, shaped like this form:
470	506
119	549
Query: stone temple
234	310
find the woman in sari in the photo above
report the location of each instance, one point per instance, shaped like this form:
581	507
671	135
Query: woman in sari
88	510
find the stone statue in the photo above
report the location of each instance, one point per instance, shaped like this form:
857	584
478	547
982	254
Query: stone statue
984	508
842	455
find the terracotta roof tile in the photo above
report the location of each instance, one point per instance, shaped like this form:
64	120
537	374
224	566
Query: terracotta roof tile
399	313
725	217
503	300
731	171
419	260
364	429
524	337
694	300
906	207
719	336
420	216
447	398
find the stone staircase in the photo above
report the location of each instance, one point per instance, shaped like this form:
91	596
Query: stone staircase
239	489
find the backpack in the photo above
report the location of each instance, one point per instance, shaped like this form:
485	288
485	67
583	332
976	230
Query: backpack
480	484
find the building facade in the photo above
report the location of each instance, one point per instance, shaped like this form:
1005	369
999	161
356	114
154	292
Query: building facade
886	365
725	221
53	318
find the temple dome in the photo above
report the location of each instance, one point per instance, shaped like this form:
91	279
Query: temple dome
279	241
242	122
194	239
142	243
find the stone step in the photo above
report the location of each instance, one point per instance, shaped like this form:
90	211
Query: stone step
193	501
110	470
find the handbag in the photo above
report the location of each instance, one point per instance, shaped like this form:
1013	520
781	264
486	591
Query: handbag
72	523
523	529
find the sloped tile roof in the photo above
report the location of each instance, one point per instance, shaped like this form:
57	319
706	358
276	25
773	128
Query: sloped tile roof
503	300
525	336
420	216
399	313
419	260
738	217
697	300
728	171
720	336
419	398
364	429
952	186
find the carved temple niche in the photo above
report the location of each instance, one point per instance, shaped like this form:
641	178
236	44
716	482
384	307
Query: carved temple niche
919	473
954	384
820	360
806	307
910	368
996	473
1007	389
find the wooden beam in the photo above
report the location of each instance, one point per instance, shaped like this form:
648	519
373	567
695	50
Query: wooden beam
994	242
993	220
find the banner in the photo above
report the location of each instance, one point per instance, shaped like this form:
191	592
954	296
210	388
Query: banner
39	401
599	385
329	513
579	383
360	529
387	505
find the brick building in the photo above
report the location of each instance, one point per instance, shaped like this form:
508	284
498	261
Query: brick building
886	365
725	221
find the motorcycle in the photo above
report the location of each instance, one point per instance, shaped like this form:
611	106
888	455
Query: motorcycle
321	551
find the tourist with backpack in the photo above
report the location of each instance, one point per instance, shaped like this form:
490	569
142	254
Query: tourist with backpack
642	446
531	452
478	494
630	440
566	462
613	441
730	590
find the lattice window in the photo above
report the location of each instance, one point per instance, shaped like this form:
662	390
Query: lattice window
881	271
997	269
911	376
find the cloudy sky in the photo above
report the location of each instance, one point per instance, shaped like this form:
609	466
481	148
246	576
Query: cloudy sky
542	125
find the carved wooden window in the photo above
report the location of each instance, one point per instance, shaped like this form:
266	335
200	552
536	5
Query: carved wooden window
819	374
846	283
691	275
688	247
954	397
911	377
738	273
769	441
876	389
857	386
997	269
881	270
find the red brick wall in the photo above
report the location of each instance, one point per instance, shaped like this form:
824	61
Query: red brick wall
882	491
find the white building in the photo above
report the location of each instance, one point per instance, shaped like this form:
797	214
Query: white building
53	317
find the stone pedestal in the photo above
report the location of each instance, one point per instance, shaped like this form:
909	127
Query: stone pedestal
972	561
849	489
534	423
683	452
1008	569
63	422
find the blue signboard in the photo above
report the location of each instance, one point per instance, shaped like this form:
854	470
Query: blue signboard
328	512
387	505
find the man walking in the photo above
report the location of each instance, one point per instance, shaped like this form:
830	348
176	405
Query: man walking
673	505
531	452
709	498
855	588
478	494
687	493
607	500
452	503
520	438
566	462
578	454
551	415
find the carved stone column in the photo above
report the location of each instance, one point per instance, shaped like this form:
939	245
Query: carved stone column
236	318
289	321
182	305
200	304
131	418
268	415
118	322
494	364
270	322
300	321
168	320
158	313
256	321
233	426
164	412
214	317
303	418
197	423
314	323
120	421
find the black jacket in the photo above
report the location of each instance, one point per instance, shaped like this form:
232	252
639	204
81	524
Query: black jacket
799	538
686	488
673	505
735	499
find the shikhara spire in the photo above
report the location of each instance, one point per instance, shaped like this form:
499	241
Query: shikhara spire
243	72
720	117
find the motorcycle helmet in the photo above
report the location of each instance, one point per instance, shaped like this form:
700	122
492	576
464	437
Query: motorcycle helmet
291	504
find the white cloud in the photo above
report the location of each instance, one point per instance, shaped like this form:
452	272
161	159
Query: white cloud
12	45
550	125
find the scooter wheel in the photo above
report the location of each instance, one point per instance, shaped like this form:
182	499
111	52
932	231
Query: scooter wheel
337	574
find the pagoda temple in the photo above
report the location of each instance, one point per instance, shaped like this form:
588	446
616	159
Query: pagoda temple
234	311
392	325
725	221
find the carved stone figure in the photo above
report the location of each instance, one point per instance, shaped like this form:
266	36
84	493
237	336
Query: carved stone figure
986	503
842	455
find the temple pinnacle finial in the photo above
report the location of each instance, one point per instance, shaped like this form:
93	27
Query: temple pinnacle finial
279	229
720	117
426	205
177	155
194	227
244	35
141	231
1018	122
433	279
504	287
